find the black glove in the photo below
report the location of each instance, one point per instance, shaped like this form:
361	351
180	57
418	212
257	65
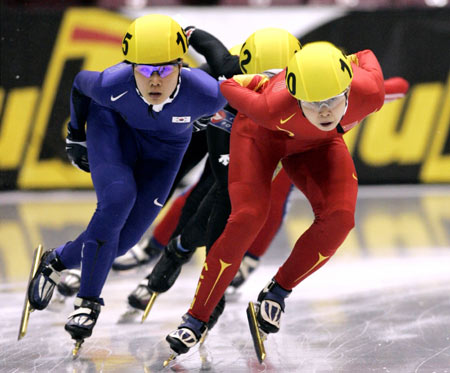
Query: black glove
76	148
201	124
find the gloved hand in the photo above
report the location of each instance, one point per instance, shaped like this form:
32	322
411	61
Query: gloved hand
76	148
201	124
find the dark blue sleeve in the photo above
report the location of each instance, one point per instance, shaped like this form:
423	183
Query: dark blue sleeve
214	100
86	87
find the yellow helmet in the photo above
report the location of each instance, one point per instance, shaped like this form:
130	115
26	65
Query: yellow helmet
268	48
318	72
235	50
154	39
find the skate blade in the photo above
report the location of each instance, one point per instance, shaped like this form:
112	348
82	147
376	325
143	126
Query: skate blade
76	349
149	306
202	339
258	338
27	309
171	358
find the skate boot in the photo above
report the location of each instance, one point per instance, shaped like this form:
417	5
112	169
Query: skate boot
271	304
189	333
166	270
142	253
248	265
70	282
163	276
82	320
48	275
264	316
140	296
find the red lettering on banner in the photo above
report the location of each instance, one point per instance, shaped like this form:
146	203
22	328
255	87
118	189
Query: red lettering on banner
83	34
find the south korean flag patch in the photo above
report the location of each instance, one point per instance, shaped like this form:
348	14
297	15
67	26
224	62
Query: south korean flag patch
181	119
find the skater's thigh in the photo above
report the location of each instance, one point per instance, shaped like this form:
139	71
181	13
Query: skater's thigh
112	152
154	180
326	176
109	139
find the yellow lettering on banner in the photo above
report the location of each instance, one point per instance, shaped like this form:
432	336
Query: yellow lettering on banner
436	166
399	230
437	213
94	35
15	126
384	142
12	239
2	97
350	138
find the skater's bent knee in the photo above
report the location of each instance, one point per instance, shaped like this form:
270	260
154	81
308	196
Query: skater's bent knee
117	201
344	218
250	215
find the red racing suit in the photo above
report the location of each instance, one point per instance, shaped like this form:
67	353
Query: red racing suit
270	127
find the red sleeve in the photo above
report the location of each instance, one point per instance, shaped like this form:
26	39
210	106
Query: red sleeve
395	88
245	100
367	88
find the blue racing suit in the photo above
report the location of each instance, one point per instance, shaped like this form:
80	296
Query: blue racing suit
134	152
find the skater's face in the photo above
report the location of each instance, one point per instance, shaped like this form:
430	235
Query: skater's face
326	115
156	83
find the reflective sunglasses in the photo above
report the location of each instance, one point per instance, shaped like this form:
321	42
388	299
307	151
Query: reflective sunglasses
162	70
331	103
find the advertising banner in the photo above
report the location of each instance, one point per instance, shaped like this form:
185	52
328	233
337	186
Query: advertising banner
408	141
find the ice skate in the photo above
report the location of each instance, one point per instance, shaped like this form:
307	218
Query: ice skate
46	278
27	309
190	332
82	321
258	336
163	276
144	252
142	299
70	282
67	287
264	316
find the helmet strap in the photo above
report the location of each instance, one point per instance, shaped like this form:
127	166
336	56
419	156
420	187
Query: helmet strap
346	104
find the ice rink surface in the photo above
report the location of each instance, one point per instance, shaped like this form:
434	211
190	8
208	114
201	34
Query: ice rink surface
382	304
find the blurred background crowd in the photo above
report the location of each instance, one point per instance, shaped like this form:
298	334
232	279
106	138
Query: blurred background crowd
115	4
